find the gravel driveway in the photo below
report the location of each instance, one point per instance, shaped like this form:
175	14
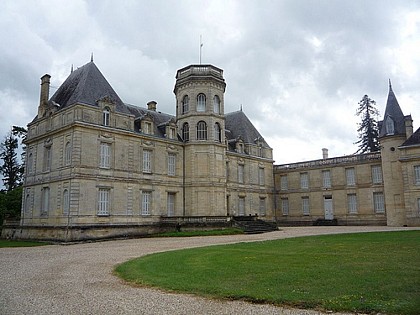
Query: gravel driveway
78	279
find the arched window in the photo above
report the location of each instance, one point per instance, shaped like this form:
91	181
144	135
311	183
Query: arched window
201	130
185	104
30	163
216	104
201	103
66	201
186	132
67	154
217	133
389	125
105	116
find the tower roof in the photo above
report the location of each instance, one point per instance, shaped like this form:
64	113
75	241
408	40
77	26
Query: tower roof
393	111
414	139
86	85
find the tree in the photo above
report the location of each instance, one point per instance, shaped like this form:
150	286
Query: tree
368	128
11	169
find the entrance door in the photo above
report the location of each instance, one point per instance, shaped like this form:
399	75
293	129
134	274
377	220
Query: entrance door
328	208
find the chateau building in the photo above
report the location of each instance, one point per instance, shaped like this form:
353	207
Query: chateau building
98	167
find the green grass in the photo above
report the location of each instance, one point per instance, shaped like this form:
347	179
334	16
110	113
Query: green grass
229	231
366	272
9	243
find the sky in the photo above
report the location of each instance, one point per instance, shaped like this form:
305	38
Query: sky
297	68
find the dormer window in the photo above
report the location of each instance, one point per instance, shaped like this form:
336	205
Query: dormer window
216	104
106	116
147	127
389	125
201	103
185	104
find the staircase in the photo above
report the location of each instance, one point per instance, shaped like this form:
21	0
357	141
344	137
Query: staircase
252	225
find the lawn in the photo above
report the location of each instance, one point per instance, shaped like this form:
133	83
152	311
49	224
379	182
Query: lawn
366	272
9	243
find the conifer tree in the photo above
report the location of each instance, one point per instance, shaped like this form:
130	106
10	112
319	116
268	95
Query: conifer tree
10	169
368	128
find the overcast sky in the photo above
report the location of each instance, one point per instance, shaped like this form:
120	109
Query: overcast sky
298	68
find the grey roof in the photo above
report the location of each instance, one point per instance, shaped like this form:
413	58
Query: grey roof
86	85
413	140
394	111
238	125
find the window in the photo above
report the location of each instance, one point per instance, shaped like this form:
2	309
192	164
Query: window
105	116
217	133
241	206
216	104
350	177
241	173
147	161
45	200
146	200
262	206
417	174
47	158
105	155
283	182
201	130
28	201
201	103
326	179
30	163
377	174
171	164
172	134
67	153
418	206
285	206
261	176
304	180
66	201
171	204
104	201
185	104
389	126
186	132
147	127
378	202
305	206
352	203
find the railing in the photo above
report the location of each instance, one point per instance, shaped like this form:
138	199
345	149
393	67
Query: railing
332	161
199	70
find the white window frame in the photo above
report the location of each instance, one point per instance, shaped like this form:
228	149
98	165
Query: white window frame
379	202
171	164
305	206
377	174
67	153
201	130
241	170
170	204
66	201
350	176
417	174
304	180
389	126
326	179
105	155
104	201
201	102
284	183
146	202
47	158
285	206
352	203
106	115
147	161
216	104
45	200
261	176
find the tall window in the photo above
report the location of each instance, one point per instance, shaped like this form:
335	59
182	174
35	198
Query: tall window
147	161
305	206
389	126
30	163
262	206
186	132
378	202
417	174
45	200
241	173
104	201
350	177
326	179
105	155
47	158
66	201
377	174
185	104
241	206
216	104
217	133
146	200
352	203
201	103
261	176
201	130
171	204
105	116
304	180
285	206
147	127
67	153
171	164
283	182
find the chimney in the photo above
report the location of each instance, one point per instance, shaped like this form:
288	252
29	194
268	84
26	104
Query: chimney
151	106
325	153
408	127
45	94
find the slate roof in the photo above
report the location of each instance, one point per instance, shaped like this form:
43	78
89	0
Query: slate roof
413	140
238	125
394	111
86	85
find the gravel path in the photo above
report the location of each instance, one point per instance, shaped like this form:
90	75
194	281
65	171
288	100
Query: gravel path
78	279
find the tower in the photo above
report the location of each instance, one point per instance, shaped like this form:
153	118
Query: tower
199	91
393	131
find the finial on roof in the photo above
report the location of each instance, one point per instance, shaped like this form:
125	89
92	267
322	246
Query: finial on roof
241	107
71	71
91	57
390	86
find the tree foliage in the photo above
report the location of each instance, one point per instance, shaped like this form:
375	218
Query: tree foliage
367	129
10	169
10	204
